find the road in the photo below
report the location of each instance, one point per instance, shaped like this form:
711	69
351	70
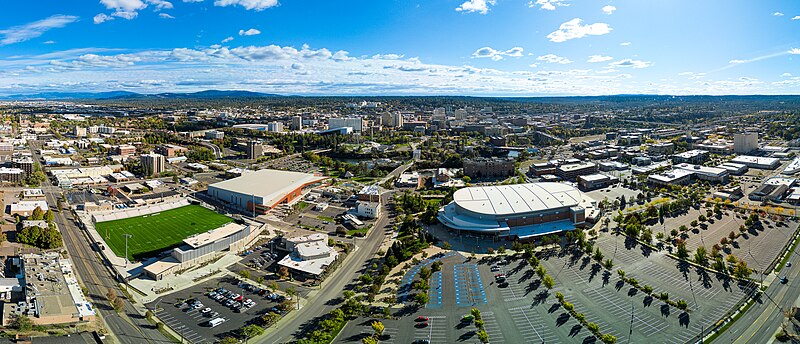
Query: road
761	321
128	327
333	286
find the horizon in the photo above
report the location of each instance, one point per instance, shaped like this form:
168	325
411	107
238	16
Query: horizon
481	48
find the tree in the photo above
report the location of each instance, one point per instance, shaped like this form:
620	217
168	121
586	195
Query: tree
483	336
48	216
681	304
598	256
118	304
425	273
501	249
378	327
251	331
23	323
348	294
111	294
621	273
228	340
694	223
446	245
369	340
283	272
273	286
700	256
541	271
421	298
548	282
244	273
741	270
608	338
682	252
292	292
38	214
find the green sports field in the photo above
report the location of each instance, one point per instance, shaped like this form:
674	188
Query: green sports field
160	231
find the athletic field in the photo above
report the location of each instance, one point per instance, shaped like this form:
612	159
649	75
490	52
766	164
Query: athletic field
159	231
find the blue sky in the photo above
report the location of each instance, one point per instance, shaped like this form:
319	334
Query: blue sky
400	47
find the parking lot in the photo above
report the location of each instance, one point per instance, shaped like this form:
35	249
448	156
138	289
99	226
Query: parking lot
519	309
312	219
192	322
261	260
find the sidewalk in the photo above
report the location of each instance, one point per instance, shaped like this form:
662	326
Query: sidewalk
179	282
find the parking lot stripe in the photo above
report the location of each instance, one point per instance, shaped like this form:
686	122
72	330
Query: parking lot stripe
649	326
492	328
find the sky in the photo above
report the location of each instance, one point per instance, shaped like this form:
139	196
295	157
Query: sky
402	47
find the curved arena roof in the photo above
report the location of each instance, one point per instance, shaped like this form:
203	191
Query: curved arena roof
516	199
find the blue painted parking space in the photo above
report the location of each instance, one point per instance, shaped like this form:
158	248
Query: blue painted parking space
468	285
405	283
435	292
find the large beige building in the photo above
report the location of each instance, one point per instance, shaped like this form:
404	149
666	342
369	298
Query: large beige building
153	164
745	143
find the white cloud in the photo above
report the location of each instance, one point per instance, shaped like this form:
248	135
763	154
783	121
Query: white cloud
549	5
22	33
319	71
737	61
387	56
160	4
49	42
127	9
625	44
226	40
574	29
497	55
533	65
479	6
551	58
796	18
608	9
192	0
778	14
124	5
599	58
165	16
786	75
794	51
258	5
102	18
250	32
636	64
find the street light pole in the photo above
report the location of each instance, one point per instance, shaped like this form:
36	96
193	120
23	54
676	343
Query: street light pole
127	261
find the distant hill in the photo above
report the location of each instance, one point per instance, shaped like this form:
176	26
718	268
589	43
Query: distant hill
69	95
208	94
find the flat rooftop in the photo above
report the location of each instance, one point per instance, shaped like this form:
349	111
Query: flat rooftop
518	198
755	160
270	185
213	235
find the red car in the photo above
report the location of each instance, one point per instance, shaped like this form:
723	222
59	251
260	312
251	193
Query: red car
422	318
422	324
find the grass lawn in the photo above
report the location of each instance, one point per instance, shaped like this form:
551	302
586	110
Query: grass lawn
326	218
358	231
160	231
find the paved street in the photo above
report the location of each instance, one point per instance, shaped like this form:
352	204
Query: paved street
763	319
332	287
